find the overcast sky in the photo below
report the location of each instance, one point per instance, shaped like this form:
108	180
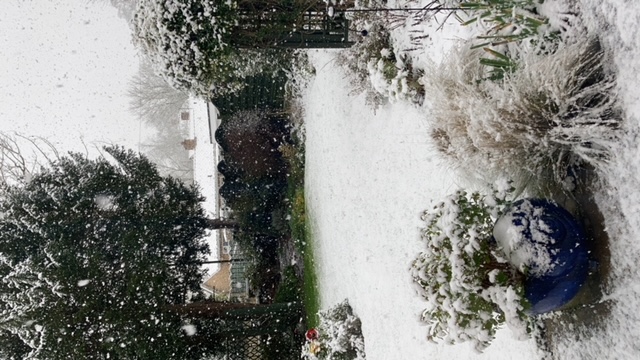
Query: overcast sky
65	65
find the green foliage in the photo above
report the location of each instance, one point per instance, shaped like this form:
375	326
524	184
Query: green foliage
93	251
507	22
499	65
460	274
209	46
290	287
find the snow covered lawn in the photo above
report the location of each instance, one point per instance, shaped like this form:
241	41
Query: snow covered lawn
369	177
370	174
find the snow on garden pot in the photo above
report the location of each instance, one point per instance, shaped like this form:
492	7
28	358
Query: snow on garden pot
547	244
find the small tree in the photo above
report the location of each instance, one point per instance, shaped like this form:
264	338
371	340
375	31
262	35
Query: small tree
210	46
153	99
470	288
194	45
97	257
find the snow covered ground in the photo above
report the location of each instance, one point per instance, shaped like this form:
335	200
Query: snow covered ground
368	178
370	174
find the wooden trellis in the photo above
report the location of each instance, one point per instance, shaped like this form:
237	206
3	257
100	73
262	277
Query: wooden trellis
296	24
318	30
263	332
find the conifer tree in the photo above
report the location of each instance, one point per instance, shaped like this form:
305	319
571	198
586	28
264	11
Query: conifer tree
95	256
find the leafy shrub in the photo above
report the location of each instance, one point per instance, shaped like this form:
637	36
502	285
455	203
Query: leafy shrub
557	109
470	288
210	47
375	67
340	336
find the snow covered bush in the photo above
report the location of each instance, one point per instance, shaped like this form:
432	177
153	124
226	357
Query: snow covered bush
340	336
470	288
554	110
185	42
198	45
375	67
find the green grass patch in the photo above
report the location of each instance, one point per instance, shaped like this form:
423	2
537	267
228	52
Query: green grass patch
311	294
300	232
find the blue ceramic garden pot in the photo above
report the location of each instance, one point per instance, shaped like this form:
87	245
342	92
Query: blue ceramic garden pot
549	245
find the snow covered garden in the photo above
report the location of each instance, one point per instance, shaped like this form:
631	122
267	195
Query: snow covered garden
435	117
444	102
413	179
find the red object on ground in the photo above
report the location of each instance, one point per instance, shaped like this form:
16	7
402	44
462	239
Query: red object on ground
311	334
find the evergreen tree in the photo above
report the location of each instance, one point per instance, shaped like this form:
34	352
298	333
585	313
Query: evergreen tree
210	46
94	255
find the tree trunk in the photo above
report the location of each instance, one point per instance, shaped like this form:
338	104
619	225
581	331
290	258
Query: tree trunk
222	224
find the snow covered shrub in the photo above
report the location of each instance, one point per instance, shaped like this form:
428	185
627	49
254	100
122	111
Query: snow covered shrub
184	41
195	44
553	111
375	67
470	289
340	336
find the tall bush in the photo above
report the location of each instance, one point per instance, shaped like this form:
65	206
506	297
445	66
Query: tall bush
200	45
556	110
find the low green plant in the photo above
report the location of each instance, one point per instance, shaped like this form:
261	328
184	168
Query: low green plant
470	289
290	287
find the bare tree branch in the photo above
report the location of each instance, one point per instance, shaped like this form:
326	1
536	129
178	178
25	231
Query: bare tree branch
153	99
22	156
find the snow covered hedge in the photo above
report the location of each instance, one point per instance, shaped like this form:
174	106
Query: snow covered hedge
340	336
189	42
470	288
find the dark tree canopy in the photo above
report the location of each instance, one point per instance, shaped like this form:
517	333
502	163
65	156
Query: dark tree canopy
92	253
210	46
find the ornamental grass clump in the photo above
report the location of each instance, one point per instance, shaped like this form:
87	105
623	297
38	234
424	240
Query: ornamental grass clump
556	110
470	288
506	25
